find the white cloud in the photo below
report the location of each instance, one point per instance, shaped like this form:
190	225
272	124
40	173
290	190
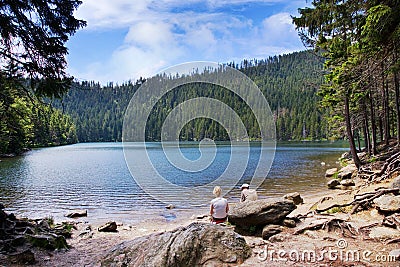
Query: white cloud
158	38
279	28
150	34
112	14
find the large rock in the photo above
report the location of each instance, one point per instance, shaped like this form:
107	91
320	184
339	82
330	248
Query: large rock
270	230
388	203
330	172
76	214
260	212
347	182
347	172
395	183
295	197
332	184
48	241
199	244
108	227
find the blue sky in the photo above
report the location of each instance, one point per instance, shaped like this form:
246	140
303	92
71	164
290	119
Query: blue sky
126	39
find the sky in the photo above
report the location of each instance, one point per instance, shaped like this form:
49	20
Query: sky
128	39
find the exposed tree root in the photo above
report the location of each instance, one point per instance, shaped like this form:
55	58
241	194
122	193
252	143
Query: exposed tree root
361	200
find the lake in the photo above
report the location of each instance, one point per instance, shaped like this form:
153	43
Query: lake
94	176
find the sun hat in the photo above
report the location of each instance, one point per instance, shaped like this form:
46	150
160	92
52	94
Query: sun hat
245	186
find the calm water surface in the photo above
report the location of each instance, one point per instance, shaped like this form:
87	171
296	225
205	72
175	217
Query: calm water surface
94	176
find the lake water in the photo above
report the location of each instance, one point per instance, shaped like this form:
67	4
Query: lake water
94	176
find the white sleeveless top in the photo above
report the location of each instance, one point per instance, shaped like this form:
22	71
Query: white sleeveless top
219	207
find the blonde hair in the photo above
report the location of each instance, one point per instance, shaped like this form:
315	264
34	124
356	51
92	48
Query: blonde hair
217	191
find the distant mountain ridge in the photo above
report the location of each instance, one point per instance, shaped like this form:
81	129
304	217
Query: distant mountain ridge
289	83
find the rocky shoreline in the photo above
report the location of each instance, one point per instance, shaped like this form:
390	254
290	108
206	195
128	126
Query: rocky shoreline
355	223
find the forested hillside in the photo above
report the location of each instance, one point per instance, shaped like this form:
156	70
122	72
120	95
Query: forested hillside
28	122
289	83
32	67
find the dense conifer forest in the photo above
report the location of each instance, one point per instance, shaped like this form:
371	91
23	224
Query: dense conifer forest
289	83
32	66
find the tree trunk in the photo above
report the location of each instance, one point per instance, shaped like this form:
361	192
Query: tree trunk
387	115
397	93
397	90
353	150
385	106
380	127
366	134
373	125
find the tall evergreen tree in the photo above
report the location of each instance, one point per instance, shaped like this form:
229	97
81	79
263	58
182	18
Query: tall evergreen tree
354	36
32	51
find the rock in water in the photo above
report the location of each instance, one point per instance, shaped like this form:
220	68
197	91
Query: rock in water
260	212
108	227
76	214
198	244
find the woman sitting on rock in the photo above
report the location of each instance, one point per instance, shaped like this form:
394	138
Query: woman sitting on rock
219	207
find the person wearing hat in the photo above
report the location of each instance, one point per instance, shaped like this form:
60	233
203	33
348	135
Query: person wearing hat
247	193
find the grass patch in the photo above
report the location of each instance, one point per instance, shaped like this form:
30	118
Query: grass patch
50	221
333	210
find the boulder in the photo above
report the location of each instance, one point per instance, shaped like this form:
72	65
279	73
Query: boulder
347	182
270	230
108	227
295	197
76	214
346	155
345	175
347	172
260	212
330	172
333	183
48	241
395	183
388	203
289	223
198	244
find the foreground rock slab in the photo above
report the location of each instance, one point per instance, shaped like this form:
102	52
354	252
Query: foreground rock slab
260	212
198	244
